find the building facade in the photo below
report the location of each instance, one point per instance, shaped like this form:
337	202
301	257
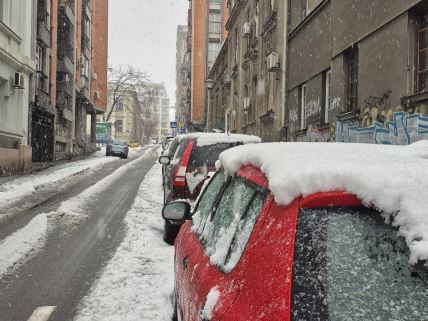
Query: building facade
358	71
127	118
182	79
249	88
54	62
17	83
206	30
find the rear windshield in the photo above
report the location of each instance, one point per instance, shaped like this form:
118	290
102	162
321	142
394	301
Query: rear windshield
208	155
118	142
350	265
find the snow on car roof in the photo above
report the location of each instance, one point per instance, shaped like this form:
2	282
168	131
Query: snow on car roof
204	139
392	179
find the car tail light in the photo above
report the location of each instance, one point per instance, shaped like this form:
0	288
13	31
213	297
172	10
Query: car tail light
180	175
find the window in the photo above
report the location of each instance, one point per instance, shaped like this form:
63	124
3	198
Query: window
213	49
244	230
327	95
231	222
352	81
119	104
305	8
119	125
207	155
422	58
206	203
302	100
214	22
349	265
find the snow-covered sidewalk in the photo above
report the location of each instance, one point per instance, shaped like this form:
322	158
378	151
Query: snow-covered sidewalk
26	185
137	282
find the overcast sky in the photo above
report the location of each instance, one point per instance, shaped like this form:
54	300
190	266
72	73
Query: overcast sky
142	33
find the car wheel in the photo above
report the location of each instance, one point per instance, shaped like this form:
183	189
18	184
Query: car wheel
175	315
170	232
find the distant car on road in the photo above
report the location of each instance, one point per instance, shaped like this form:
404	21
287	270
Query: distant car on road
117	148
299	231
187	163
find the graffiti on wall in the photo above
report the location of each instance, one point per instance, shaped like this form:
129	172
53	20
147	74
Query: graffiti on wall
315	135
312	108
375	110
403	129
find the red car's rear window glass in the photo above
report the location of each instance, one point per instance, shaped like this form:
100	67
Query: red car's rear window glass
207	155
350	265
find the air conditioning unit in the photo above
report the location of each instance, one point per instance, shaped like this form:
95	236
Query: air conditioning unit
67	78
82	60
94	76
272	61
18	81
227	79
82	71
97	94
247	103
247	29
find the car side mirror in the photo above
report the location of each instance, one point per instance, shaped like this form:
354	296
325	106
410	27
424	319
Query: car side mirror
176	211
164	160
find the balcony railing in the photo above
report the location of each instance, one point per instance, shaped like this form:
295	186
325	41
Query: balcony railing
42	81
66	51
43	33
86	42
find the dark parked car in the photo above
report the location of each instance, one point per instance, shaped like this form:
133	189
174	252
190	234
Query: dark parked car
187	163
117	148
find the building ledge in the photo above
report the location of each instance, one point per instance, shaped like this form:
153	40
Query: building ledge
9	32
234	13
412	100
306	20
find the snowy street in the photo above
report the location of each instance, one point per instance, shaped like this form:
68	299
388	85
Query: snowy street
93	249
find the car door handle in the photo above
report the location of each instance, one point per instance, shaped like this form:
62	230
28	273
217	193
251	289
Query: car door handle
185	262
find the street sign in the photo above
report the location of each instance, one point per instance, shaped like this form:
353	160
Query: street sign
173	124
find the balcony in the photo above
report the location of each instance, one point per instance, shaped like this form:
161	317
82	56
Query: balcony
64	83
42	88
64	105
43	34
66	8
66	58
84	87
86	45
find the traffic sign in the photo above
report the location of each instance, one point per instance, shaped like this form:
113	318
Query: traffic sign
173	124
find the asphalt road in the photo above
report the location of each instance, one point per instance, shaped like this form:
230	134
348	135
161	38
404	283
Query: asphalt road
62	273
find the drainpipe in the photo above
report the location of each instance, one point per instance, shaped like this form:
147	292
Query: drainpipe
284	104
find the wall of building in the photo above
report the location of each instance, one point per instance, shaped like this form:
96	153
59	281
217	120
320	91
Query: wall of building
17	54
384	35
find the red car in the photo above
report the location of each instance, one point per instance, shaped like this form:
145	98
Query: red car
243	256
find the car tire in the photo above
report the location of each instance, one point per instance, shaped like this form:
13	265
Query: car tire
170	232
175	304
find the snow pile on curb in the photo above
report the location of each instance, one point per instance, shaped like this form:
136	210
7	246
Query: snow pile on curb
204	139
26	185
393	179
138	281
20	246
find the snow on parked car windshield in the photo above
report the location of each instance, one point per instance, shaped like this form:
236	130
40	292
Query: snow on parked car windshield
393	179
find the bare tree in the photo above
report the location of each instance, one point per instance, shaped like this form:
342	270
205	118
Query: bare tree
121	81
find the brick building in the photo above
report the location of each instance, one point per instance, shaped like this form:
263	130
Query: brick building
206	33
182	79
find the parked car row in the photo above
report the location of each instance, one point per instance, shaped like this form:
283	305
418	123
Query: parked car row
298	231
187	163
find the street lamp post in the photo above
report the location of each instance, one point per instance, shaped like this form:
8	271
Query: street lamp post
209	83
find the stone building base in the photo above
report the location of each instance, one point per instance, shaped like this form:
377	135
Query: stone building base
15	160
